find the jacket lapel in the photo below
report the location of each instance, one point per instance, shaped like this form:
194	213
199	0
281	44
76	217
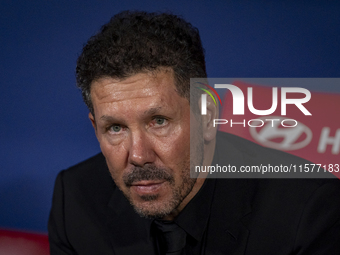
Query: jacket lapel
231	206
227	231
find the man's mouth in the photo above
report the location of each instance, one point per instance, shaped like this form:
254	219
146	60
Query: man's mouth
147	187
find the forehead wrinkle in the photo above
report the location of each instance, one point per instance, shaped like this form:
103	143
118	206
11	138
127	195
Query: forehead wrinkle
133	93
124	99
118	86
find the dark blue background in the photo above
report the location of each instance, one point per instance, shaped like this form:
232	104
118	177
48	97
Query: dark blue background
44	124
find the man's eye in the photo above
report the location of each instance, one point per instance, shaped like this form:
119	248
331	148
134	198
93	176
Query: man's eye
115	128
159	121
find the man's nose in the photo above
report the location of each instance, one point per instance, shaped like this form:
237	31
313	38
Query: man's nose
141	150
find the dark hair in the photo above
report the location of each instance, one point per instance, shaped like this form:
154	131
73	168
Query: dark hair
133	42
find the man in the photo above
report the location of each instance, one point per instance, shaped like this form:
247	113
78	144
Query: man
137	197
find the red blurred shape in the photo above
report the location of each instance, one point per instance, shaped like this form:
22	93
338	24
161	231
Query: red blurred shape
23	243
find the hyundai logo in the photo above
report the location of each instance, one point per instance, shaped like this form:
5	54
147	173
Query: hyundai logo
274	135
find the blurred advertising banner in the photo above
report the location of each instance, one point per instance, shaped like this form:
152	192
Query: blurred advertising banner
15	242
281	114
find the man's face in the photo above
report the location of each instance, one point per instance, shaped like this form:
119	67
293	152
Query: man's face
143	127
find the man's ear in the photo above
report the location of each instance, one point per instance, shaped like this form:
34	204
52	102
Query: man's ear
91	117
209	131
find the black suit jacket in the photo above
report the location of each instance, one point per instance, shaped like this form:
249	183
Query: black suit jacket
90	215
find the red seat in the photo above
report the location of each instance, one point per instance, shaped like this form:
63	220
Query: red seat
23	243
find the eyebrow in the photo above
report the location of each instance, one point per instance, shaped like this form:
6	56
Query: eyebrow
152	111
107	118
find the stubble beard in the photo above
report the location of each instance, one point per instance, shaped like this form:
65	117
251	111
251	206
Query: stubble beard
151	205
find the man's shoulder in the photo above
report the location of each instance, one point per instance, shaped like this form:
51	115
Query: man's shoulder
80	207
248	153
94	162
89	178
262	162
93	166
277	193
